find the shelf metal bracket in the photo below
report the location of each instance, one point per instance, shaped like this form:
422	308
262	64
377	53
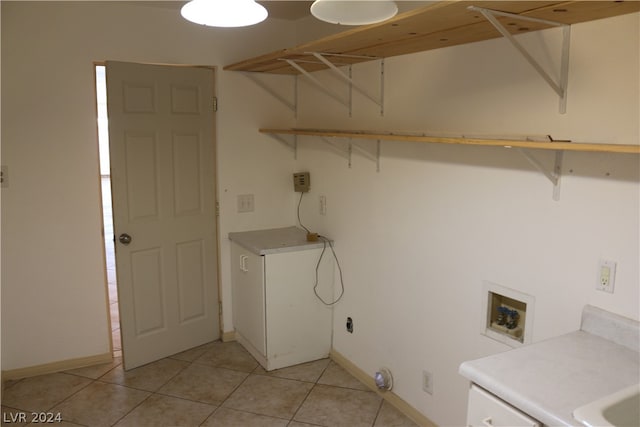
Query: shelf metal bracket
293	145
293	106
318	83
373	157
559	87
333	67
347	153
379	101
552	175
343	152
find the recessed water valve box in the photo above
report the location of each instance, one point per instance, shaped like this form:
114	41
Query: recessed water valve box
508	315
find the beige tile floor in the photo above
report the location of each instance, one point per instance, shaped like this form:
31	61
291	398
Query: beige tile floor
218	384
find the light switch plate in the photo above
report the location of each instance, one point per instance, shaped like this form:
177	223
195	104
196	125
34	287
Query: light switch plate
245	203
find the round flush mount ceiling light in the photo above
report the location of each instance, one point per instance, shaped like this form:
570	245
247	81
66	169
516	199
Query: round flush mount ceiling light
354	12
224	13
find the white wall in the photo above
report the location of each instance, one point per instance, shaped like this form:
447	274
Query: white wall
417	239
54	305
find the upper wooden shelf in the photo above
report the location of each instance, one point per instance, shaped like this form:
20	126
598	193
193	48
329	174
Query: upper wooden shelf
442	24
538	145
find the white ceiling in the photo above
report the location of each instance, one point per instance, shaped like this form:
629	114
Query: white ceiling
291	9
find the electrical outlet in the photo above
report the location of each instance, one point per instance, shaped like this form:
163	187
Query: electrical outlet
427	382
606	276
323	205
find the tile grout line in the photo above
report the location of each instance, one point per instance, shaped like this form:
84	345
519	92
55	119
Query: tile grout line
151	393
212	409
215	366
377	413
132	409
91	381
230	393
253	372
315	383
302	403
13	383
99	380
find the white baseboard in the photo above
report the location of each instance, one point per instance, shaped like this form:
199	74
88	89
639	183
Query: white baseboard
402	406
49	368
228	336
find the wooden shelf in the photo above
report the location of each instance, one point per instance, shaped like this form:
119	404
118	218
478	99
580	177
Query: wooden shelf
443	24
494	142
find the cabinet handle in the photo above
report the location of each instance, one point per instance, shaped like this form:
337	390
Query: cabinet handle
487	422
243	263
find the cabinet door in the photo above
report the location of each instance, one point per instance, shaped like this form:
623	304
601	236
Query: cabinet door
248	296
298	323
486	410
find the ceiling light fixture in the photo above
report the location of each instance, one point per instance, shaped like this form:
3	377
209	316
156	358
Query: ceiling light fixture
224	13
354	12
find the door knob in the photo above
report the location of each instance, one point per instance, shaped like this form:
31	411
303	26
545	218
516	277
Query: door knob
124	238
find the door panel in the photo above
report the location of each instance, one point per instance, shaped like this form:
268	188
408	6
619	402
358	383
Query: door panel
139	97
148	298
185	100
191	283
142	175
186	174
161	130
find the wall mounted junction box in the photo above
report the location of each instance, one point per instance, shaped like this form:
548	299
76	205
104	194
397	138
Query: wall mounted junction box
301	182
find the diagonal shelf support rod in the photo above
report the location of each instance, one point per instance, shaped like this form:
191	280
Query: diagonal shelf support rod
552	175
351	147
371	156
293	146
344	152
559	87
317	83
293	106
352	84
364	152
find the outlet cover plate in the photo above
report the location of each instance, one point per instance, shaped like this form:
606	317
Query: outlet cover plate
606	276
427	382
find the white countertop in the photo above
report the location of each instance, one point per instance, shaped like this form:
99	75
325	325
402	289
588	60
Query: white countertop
550	379
275	240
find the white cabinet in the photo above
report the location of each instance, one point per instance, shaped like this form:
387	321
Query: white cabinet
486	410
277	316
248	298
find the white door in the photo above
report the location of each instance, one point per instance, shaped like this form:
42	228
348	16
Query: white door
161	137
